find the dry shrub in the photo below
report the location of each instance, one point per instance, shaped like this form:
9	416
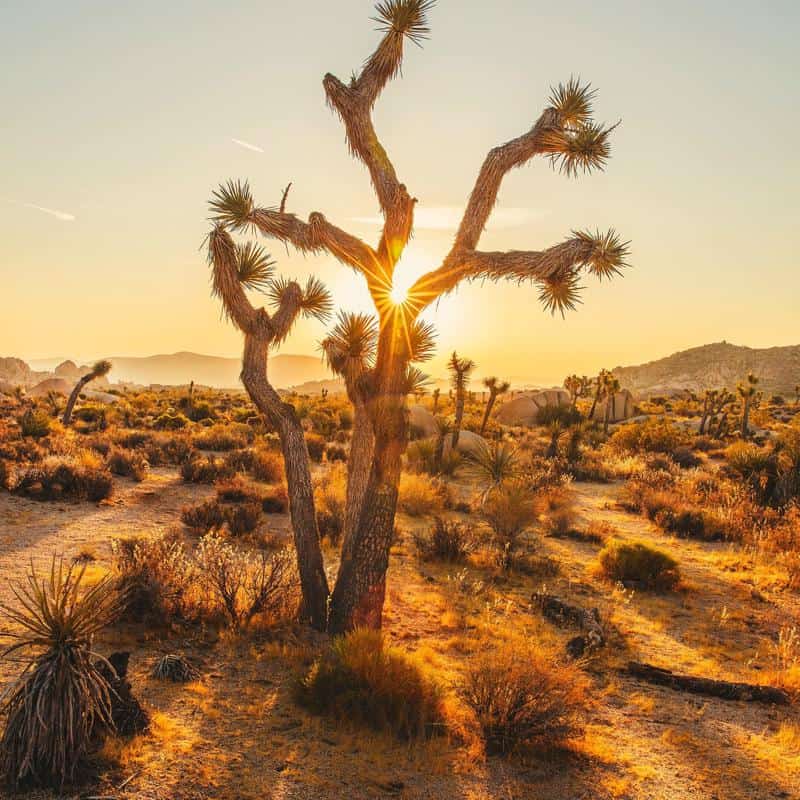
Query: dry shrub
655	435
330	497
128	463
222	438
34	423
446	541
246	584
267	466
156	577
363	679
61	701
238	505
75	477
524	699
640	565
276	500
419	495
170	421
205	470
509	510
316	446
161	449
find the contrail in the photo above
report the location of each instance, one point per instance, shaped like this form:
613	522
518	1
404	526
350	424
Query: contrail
247	146
62	215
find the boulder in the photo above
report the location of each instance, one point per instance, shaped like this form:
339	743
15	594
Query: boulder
423	423
522	409
100	397
51	385
622	406
468	442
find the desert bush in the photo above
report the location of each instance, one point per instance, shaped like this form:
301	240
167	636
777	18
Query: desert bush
316	446
638	564
422	457
445	541
34	423
525	700
330	496
205	470
345	419
128	463
59	477
655	435
565	415
509	510
276	500
200	410
267	466
239	517
364	680
247	584
156	576
221	438
685	458
61	701
170	421
335	452
419	496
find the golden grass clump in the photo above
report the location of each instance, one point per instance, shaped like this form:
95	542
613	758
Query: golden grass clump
419	496
362	679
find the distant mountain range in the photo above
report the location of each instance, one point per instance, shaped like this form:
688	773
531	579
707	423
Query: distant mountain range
715	365
285	371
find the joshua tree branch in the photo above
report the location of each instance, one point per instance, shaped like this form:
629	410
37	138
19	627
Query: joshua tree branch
225	280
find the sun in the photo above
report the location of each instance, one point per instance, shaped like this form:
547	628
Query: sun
398	294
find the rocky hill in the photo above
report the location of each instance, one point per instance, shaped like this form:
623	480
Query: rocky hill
715	365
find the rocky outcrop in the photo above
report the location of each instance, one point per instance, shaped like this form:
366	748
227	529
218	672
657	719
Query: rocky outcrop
423	423
622	407
524	408
58	385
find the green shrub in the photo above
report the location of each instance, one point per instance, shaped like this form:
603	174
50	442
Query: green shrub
638	564
364	680
170	422
34	423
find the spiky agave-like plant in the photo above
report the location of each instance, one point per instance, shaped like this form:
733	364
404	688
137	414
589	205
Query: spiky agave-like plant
61	698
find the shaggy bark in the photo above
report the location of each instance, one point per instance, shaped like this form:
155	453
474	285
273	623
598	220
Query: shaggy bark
73	398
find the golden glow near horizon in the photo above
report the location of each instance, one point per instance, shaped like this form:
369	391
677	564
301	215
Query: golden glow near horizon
103	218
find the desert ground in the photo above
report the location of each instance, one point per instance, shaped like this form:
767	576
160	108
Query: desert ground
237	731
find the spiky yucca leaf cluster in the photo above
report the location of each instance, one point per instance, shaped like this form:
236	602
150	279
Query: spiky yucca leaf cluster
100	368
315	299
232	204
349	348
404	18
460	370
62	697
608	253
254	266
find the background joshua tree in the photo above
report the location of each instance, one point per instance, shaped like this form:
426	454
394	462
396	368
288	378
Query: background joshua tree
714	401
612	386
234	269
577	386
747	391
460	370
496	387
564	132
437	391
99	368
599	387
797	395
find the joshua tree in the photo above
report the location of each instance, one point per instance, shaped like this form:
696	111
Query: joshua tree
234	269
460	370
435	394
747	391
496	388
577	386
797	395
99	369
564	132
599	387
611	388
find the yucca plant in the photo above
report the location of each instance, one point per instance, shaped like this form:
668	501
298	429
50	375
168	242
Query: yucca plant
98	370
493	463
61	699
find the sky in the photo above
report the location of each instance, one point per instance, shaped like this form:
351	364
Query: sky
119	119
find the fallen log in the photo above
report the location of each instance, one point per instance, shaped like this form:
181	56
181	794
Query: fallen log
562	613
725	690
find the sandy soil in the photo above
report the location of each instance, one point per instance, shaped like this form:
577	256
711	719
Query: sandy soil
237	733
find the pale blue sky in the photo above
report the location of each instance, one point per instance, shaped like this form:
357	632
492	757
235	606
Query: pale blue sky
123	116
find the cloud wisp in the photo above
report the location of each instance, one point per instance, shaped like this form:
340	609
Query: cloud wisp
448	218
253	148
62	215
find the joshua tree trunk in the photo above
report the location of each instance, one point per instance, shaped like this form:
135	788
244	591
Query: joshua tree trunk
314	584
746	418
458	419
487	413
609	406
360	589
359	466
73	398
